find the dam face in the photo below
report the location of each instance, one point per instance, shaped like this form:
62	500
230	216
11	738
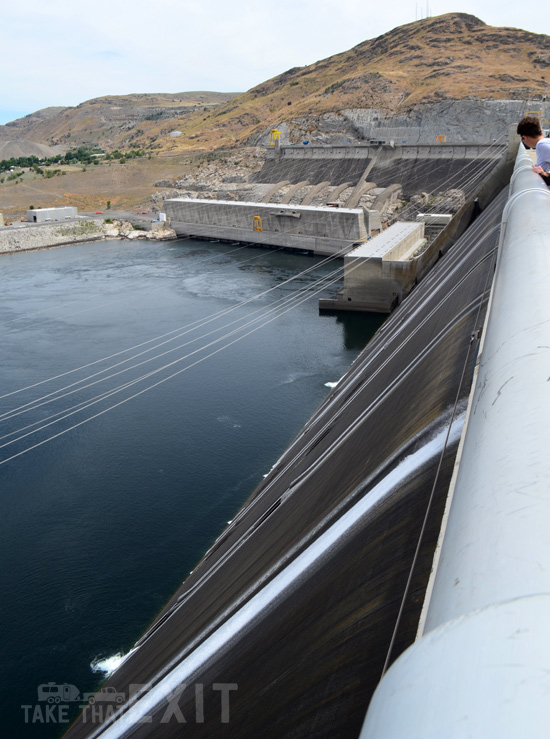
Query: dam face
310	198
292	614
423	167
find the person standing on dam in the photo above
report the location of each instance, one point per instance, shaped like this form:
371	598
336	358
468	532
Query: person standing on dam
531	134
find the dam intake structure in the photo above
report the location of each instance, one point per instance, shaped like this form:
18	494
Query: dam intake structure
294	607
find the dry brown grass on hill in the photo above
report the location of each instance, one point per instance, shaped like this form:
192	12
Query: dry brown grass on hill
111	121
451	57
128	186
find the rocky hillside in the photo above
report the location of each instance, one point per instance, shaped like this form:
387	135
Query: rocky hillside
453	57
109	122
436	60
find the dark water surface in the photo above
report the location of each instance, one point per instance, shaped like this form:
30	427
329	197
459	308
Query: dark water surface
102	523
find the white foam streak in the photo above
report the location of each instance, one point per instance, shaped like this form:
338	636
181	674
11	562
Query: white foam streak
107	665
287	580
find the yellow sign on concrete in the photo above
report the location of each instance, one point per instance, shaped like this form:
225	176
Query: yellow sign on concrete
257	224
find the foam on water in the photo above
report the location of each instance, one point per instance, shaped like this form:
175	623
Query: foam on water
229	421
333	384
107	665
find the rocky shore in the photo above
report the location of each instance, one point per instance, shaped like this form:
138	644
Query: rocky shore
28	237
160	231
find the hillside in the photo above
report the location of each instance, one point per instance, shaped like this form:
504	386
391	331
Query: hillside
435	60
452	75
447	58
25	148
109	122
451	57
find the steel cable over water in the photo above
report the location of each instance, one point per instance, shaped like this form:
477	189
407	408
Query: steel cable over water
484	298
295	302
287	303
295	299
175	331
113	302
187	328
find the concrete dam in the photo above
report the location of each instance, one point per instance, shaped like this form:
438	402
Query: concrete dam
417	168
329	200
372	181
290	620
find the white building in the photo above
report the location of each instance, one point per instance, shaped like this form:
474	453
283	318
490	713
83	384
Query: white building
41	215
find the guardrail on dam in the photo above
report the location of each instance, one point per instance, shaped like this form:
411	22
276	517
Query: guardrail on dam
319	580
481	664
392	150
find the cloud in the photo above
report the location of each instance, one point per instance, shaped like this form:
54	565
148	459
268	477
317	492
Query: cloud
109	55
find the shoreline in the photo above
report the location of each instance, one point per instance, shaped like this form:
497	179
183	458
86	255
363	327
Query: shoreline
49	246
49	235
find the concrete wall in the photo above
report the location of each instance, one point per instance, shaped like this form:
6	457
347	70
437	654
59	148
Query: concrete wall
398	151
457	120
418	168
321	230
379	273
24	238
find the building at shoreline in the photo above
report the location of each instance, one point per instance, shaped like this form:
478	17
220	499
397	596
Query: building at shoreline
41	215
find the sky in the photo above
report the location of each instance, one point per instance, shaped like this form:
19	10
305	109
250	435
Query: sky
61	53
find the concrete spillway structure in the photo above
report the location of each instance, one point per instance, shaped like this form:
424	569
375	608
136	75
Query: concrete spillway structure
420	167
293	608
379	273
320	230
383	272
481	664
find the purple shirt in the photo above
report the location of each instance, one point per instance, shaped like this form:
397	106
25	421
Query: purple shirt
543	154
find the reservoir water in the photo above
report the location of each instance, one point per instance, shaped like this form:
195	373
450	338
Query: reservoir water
146	388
